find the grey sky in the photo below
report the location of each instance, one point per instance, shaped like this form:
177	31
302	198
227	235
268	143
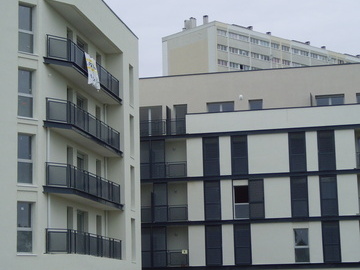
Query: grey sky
333	23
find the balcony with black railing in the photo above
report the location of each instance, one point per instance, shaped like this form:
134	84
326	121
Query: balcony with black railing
69	59
68	118
167	213
165	258
163	127
70	181
163	170
64	241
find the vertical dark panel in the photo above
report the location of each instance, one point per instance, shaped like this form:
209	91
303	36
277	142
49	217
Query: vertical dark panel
328	196
157	159
239	155
213	238
297	151
242	241
146	247
168	121
299	196
211	156
331	241
326	150
212	200
159	247
256	198
160	200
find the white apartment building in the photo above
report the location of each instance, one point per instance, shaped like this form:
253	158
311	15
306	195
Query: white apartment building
256	169
216	47
70	187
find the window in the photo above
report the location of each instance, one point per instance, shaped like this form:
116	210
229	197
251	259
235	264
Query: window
331	241
238	51
328	196
302	253
239	155
255	104
81	44
275	60
24	227
222	48
213	244
25	166
256	198
241	201
275	46
25	97
357	97
212	200
222	63
242	241
222	33
286	62
326	150
297	151
220	107
299	196
260	56
26	35
238	37
211	156
285	48
329	100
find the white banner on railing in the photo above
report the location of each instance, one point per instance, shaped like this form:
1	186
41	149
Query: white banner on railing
93	75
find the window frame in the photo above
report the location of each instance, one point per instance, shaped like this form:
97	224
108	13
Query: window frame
25	228
26	160
298	247
29	31
29	95
254	104
330	99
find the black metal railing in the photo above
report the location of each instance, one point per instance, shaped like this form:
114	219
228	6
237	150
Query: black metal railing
162	127
66	175
67	112
163	170
164	258
71	241
164	213
177	258
64	49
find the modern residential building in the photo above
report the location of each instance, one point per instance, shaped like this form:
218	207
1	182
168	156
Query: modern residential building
251	170
216	46
70	163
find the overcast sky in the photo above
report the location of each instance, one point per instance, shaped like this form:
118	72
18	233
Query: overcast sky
333	23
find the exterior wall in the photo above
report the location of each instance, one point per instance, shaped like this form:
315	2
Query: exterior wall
118	50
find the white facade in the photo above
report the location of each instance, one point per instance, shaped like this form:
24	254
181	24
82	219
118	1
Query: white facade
216	46
276	187
70	193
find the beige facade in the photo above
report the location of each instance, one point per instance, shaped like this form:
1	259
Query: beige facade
269	178
70	189
216	47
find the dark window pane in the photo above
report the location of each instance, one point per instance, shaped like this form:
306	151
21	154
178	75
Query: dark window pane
302	255
241	194
297	151
301	237
299	196
23	215
228	106
337	100
242	244
212	200
24	241
331	241
239	155
213	107
256	104
24	146
211	156
145	239
25	106
326	149
24	81
328	195
24	172
25	20
256	198
26	42
213	245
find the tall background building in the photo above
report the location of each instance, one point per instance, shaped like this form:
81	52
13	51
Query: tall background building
70	189
216	46
255	170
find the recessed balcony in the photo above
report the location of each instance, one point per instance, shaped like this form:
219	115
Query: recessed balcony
163	170
76	124
171	213
69	60
64	241
83	186
163	127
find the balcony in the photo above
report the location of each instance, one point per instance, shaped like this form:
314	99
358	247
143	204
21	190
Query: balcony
77	184
69	59
71	241
171	213
63	116
163	170
165	258
163	127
